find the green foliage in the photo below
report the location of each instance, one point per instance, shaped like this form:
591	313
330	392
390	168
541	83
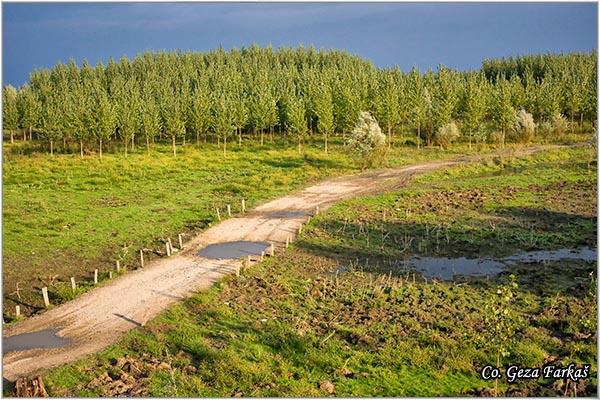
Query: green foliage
10	113
171	93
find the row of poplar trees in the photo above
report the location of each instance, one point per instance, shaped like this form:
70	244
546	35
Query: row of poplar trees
222	95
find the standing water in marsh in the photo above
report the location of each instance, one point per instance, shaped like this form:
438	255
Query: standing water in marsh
447	268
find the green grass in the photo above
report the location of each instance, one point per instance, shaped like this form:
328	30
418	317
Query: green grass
64	216
327	309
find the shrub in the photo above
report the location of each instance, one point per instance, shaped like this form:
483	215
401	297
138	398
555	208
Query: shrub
447	134
525	127
496	138
367	141
559	125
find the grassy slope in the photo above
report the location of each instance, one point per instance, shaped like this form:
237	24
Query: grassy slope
288	325
63	216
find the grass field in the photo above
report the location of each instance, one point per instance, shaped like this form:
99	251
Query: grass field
64	216
330	316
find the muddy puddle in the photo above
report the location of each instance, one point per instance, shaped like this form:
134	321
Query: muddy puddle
43	339
233	250
447	268
288	214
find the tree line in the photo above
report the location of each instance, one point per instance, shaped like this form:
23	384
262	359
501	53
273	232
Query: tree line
227	95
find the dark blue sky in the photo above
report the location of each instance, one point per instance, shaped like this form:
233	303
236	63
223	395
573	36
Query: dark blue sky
424	35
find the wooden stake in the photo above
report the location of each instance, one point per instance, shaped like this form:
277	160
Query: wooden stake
168	249
170	244
243	206
272	249
109	274
291	238
142	258
45	295
317	210
237	270
308	220
287	242
229	210
300	229
95	276
218	215
118	265
17	311
247	261
262	256
180	241
73	286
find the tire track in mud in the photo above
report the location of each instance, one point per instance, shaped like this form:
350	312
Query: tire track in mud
103	315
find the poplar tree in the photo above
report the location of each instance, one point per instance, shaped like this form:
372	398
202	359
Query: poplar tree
323	105
29	108
475	103
10	114
387	101
503	114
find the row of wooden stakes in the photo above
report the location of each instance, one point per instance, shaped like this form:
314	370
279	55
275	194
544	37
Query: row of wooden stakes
169	250
229	210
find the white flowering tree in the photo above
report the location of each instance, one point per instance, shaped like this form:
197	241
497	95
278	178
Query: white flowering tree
367	141
525	126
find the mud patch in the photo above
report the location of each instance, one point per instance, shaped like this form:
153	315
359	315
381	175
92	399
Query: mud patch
583	254
44	339
233	250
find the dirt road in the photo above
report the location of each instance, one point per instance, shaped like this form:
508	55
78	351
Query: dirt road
101	316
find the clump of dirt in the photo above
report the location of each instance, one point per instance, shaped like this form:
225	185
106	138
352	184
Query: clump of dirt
129	376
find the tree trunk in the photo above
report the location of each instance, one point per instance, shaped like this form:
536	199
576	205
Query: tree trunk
147	144
197	138
419	135
65	144
51	147
271	133
30	134
325	142
218	141
262	137
81	148
581	121
224	144
132	142
503	136
24	135
239	136
12	137
174	146
100	147
389	129
299	146
125	141
572	122
184	140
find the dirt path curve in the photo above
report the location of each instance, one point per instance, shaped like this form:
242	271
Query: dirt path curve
101	316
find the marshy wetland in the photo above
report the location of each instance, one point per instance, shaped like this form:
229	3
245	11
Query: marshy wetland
329	315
